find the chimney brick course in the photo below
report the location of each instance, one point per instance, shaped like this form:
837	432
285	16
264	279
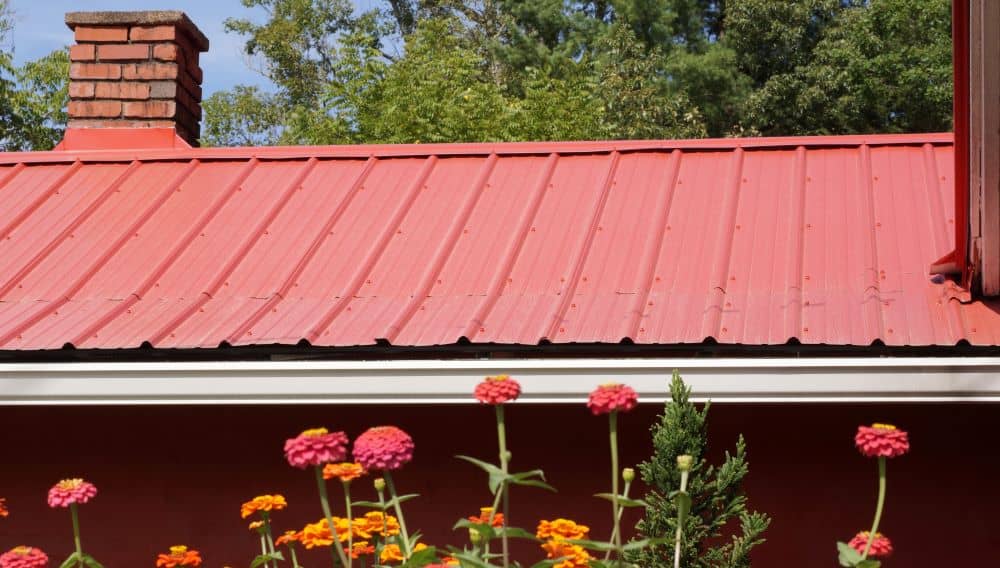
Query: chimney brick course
136	70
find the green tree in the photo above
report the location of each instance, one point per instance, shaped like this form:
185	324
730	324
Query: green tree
716	493
33	97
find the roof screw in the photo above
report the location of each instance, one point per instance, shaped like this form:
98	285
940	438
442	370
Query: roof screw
809	178
725	330
657	278
649	303
532	229
889	330
465	231
562	330
875	178
642	330
732	278
510	280
807	277
439	281
368	281
805	330
482	329
572	305
806	303
729	304
879	224
585	278
599	228
738	227
974	330
744	180
809	225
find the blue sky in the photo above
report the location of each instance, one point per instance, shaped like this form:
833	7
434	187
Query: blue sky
39	29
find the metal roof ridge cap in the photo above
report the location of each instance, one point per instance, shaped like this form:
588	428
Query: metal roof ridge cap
469	148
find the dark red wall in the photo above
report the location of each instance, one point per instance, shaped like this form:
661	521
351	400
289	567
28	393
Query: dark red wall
171	475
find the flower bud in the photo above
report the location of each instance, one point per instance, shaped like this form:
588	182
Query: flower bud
379	484
628	474
474	536
685	462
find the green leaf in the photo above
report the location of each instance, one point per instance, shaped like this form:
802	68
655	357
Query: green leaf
421	558
868	564
848	556
639	544
683	506
592	544
497	476
388	504
70	561
516	532
468	559
261	559
623	501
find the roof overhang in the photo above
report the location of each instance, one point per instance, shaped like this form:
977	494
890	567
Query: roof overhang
802	380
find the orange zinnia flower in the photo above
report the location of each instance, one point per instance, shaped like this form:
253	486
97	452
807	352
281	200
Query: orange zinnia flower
255	525
392	553
289	537
3	508
484	517
573	556
263	503
361	548
318	533
344	471
376	522
561	528
179	557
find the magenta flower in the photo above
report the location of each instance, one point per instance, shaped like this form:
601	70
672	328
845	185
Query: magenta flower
71	491
612	397
24	557
881	546
882	440
383	447
497	390
317	446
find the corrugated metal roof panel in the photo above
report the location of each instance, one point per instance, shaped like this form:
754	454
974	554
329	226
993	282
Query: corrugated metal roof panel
756	242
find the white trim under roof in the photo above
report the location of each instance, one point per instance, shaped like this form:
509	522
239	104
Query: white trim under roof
925	379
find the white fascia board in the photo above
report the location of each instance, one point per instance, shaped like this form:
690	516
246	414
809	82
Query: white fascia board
968	379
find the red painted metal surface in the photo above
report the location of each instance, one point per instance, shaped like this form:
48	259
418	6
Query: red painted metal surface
824	240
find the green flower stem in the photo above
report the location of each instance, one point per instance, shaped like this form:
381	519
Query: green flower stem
680	528
295	560
621	510
616	537
338	551
385	525
76	534
504	487
263	548
493	510
878	506
350	520
399	515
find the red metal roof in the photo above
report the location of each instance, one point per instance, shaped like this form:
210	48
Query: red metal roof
754	241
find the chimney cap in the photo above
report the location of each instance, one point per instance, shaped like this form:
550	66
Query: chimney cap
140	18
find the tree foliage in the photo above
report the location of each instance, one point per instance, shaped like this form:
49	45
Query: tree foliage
505	70
33	96
716	493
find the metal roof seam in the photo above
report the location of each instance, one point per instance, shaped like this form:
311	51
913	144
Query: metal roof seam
45	195
39	256
872	264
140	292
234	185
557	317
234	261
721	268
794	280
10	175
444	250
933	191
511	253
90	272
653	246
375	252
310	253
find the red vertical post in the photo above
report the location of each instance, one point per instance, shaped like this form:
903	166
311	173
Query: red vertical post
960	65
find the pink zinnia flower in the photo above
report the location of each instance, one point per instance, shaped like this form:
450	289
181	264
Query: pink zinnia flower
612	397
317	446
880	544
497	390
383	447
24	557
70	491
882	440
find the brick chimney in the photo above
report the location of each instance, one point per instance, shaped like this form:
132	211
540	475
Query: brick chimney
136	70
